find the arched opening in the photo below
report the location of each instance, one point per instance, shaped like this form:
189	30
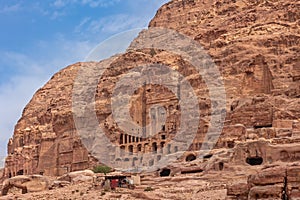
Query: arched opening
284	156
230	144
190	158
146	147
169	149
158	157
118	161
121	139
176	149
254	160
165	172
154	147
130	149
139	147
125	139
162	144
122	150
171	108
221	166
20	172
151	162
134	161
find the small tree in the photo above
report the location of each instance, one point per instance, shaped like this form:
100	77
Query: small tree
102	169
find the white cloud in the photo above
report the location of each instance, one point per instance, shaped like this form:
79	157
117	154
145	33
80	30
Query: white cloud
37	7
69	50
132	17
20	61
99	3
57	14
116	23
80	26
90	3
59	3
10	8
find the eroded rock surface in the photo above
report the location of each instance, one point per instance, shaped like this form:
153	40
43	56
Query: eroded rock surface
255	44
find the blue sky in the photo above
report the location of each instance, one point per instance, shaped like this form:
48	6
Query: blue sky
38	38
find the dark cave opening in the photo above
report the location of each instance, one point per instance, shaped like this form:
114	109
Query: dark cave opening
254	160
165	172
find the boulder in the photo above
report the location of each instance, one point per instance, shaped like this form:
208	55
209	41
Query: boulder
33	183
79	176
59	184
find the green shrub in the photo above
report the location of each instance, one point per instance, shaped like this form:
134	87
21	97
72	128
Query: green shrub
101	169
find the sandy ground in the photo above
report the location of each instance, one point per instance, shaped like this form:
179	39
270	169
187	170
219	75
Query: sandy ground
175	188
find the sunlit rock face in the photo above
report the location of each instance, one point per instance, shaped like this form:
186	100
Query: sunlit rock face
255	45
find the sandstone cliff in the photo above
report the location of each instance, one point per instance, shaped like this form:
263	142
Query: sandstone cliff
255	44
